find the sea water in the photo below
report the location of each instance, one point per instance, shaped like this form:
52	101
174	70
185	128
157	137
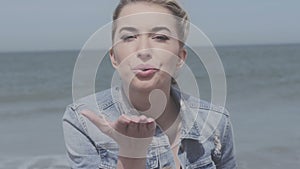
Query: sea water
263	98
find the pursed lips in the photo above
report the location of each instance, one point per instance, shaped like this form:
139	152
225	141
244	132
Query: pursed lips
145	70
144	67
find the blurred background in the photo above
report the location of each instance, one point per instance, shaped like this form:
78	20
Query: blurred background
257	41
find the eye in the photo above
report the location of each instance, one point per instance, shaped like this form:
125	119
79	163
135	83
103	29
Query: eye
160	37
128	38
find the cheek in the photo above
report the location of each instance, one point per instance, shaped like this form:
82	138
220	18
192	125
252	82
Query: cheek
125	73
169	60
169	67
118	55
123	53
123	63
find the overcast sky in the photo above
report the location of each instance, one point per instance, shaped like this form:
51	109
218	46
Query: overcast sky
66	24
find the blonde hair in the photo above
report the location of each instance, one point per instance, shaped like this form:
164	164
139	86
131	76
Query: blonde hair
171	5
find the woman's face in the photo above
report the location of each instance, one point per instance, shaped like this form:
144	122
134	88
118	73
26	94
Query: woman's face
146	49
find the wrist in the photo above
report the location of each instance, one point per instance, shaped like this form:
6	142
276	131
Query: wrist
133	153
129	163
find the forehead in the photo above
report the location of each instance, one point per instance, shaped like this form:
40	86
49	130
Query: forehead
140	7
145	15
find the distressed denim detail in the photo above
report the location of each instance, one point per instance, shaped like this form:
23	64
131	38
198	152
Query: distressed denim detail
203	163
89	148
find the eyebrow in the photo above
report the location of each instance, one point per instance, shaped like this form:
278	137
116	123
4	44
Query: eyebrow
127	28
160	28
155	29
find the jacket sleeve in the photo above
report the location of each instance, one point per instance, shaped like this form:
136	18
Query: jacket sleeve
228	159
81	150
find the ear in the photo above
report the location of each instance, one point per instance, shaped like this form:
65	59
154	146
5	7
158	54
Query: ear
182	57
113	58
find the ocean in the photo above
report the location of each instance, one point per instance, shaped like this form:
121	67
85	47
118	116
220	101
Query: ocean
263	96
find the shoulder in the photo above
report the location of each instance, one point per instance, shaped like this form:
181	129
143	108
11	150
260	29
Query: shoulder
97	103
100	103
203	119
197	104
101	99
204	106
208	113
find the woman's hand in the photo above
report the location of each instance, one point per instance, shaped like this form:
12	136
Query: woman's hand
133	134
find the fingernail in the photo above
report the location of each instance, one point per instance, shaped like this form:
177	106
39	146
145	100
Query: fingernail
150	120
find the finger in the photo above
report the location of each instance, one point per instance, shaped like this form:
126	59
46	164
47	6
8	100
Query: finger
143	119
134	119
141	125
150	120
132	125
132	129
142	129
151	125
124	120
99	121
121	124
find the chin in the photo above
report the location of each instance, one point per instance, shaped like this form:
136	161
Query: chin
144	85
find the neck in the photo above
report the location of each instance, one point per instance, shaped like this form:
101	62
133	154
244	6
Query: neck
143	100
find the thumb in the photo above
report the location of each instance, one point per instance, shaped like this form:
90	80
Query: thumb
99	121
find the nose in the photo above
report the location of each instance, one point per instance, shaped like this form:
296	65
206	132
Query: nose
144	49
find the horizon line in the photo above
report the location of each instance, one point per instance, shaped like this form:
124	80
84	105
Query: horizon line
216	46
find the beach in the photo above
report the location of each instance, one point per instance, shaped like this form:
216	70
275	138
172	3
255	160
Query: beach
263	94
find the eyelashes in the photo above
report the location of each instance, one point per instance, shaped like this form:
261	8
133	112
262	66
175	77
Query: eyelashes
128	38
156	37
161	37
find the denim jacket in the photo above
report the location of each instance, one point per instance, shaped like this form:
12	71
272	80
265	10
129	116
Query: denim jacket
206	140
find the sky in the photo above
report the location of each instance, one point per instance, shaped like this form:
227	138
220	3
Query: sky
37	25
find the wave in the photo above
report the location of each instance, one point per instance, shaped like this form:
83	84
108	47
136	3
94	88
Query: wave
38	162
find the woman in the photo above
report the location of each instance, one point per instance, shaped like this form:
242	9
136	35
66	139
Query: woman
146	122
